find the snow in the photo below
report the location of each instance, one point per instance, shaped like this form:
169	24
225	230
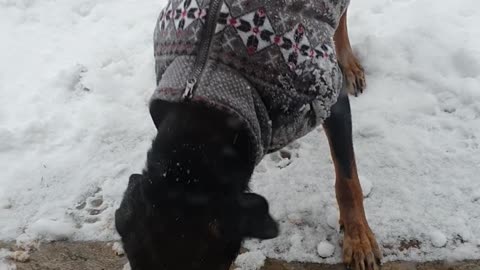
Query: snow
76	77
250	260
50	230
367	186
117	247
4	264
333	216
7	266
325	249
20	256
438	238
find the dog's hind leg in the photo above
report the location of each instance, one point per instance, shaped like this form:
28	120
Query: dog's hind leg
360	249
351	67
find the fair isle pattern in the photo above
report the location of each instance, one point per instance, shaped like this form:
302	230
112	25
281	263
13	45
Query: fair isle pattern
187	13
254	29
165	16
257	33
183	16
272	62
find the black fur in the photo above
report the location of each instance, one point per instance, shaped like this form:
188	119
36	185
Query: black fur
189	209
339	127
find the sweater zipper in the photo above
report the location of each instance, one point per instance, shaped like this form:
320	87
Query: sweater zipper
204	49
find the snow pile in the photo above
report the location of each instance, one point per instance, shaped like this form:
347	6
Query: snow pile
75	79
76	76
250	260
4	264
50	230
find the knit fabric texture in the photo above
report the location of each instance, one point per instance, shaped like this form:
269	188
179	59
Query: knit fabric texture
271	63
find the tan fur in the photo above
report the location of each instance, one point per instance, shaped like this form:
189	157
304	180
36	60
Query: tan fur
360	249
351	67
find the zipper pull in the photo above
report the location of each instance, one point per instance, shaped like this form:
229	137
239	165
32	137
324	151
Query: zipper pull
188	94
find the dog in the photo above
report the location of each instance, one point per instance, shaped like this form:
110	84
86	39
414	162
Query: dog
221	104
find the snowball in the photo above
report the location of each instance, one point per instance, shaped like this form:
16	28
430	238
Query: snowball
118	249
476	196
5	202
250	261
438	239
325	249
332	219
27	242
295	218
20	256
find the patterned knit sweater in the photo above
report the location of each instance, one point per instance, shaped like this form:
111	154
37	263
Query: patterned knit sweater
271	63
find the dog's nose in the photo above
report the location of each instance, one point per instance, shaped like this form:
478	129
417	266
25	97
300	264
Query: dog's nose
271	230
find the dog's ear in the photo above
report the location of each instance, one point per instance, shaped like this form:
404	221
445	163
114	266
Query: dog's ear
255	220
124	214
158	111
134	179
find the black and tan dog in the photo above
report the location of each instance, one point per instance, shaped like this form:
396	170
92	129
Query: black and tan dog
191	207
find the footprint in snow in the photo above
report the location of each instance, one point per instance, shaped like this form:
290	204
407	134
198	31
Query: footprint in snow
284	157
88	210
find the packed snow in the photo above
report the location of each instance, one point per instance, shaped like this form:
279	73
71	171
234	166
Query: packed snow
325	249
250	260
438	239
76	77
5	264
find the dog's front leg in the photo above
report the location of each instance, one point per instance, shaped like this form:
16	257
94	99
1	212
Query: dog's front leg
360	249
351	67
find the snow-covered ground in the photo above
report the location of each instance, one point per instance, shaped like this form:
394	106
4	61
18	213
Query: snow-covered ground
76	76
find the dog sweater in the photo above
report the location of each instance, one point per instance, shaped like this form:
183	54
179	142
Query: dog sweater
271	63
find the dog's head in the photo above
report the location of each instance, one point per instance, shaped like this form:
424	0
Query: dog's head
184	230
189	210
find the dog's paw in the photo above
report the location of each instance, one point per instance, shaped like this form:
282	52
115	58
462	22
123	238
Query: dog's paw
360	249
354	74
